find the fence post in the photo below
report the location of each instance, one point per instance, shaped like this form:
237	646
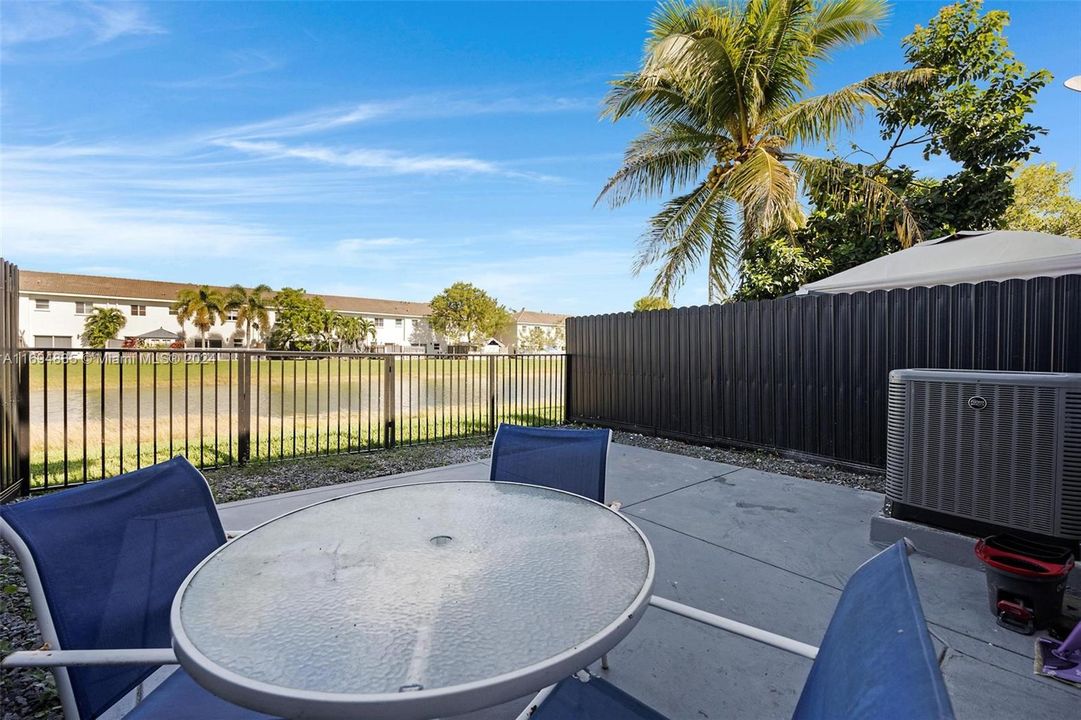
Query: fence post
243	408
389	387
22	412
567	392
491	395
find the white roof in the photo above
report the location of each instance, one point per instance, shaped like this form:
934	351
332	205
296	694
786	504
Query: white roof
964	257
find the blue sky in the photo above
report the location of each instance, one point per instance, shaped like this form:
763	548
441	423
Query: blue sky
382	150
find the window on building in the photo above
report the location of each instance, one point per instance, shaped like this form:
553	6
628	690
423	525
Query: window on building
397	322
238	342
231	315
172	310
378	322
84	308
52	341
138	310
42	305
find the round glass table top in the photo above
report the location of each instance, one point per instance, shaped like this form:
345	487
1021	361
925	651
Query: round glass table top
412	601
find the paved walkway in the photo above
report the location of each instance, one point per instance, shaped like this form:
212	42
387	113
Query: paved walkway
769	550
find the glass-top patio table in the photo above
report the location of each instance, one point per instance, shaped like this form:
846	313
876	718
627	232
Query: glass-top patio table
415	601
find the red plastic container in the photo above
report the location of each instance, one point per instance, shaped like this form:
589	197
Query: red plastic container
1025	580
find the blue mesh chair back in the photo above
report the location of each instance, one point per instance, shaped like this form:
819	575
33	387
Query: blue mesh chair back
571	460
877	660
110	556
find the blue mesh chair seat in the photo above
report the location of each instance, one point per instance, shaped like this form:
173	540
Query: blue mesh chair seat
103	562
574	699
570	460
876	661
180	698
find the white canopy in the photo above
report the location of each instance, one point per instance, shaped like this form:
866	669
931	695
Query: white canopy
964	257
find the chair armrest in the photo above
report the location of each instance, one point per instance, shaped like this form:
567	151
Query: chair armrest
65	658
748	631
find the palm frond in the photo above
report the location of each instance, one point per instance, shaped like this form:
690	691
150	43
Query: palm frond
678	236
652	96
767	190
706	72
853	184
723	249
845	22
662	159
818	118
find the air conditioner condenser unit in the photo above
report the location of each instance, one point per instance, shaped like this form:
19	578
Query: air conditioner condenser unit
982	451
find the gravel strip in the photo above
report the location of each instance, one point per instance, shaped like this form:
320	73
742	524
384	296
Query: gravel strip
759	460
23	693
270	478
31	694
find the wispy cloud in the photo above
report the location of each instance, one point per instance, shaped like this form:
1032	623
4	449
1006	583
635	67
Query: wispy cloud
367	158
243	63
84	23
47	225
353	245
415	107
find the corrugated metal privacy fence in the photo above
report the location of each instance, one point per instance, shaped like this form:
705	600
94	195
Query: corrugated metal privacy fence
808	374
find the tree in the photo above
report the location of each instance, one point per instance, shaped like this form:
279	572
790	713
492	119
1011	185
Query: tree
1042	201
298	320
536	339
971	106
651	302
464	312
328	322
102	325
202	306
777	268
348	331
972	109
252	312
367	330
721	88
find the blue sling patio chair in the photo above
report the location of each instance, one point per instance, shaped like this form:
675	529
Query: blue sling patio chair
570	460
102	563
876	662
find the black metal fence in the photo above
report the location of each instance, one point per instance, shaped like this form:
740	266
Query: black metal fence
808	374
97	413
12	479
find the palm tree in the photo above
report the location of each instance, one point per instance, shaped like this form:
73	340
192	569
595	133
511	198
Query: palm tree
722	90
367	330
202	306
349	330
251	309
102	325
328	324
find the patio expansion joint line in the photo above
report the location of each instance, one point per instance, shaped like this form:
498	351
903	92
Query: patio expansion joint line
683	487
741	554
949	646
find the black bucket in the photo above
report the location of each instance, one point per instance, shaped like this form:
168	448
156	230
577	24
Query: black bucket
1025	580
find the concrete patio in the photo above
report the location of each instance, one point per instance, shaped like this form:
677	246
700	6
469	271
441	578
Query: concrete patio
768	550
